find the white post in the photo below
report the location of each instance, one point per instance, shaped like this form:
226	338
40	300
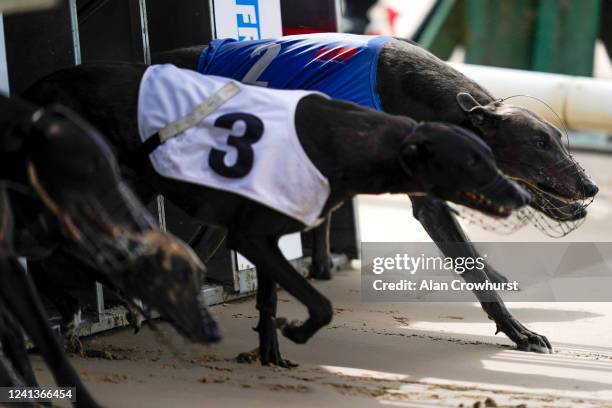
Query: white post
4	79
583	103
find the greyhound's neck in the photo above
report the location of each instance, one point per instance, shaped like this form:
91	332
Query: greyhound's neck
413	82
357	149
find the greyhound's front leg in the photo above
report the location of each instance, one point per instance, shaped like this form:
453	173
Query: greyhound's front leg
14	348
443	228
269	352
18	292
272	265
8	374
321	255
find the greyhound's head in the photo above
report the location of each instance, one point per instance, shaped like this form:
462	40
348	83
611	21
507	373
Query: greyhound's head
460	169
166	280
74	174
529	149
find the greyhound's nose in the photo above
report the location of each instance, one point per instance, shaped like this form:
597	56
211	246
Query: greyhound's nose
590	189
580	214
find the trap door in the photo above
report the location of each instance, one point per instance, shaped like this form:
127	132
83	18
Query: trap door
112	30
35	44
25	67
39	43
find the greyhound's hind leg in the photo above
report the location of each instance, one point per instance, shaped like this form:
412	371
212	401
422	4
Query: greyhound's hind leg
206	240
271	264
321	256
442	227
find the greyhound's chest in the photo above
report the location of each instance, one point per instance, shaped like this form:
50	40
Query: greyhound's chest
224	135
342	66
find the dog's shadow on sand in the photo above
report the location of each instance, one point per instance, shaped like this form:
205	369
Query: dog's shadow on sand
535	314
470	313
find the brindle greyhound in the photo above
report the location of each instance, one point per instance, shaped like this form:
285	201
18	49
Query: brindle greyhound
62	189
356	149
413	82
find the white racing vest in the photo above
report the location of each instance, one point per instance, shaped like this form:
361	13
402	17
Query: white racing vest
248	145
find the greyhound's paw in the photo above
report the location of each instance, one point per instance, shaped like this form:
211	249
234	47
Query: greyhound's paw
267	359
286	363
268	351
321	270
134	318
248	357
280	323
295	332
72	343
525	339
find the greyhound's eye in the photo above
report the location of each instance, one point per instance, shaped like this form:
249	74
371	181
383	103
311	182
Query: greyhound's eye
540	144
92	167
472	161
87	166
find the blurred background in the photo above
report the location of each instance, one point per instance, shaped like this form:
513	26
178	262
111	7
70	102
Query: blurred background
561	36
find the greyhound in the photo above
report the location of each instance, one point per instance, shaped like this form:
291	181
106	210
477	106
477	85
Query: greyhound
13	350
81	206
353	149
401	78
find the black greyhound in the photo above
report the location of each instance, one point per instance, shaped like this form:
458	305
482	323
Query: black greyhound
413	82
62	190
356	149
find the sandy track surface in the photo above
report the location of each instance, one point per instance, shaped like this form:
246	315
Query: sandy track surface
397	354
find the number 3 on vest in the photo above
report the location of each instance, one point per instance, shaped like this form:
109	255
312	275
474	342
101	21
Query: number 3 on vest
254	129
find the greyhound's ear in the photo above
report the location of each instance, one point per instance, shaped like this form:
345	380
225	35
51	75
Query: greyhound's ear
466	101
483	118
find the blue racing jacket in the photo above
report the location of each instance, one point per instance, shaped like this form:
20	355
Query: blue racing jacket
342	66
